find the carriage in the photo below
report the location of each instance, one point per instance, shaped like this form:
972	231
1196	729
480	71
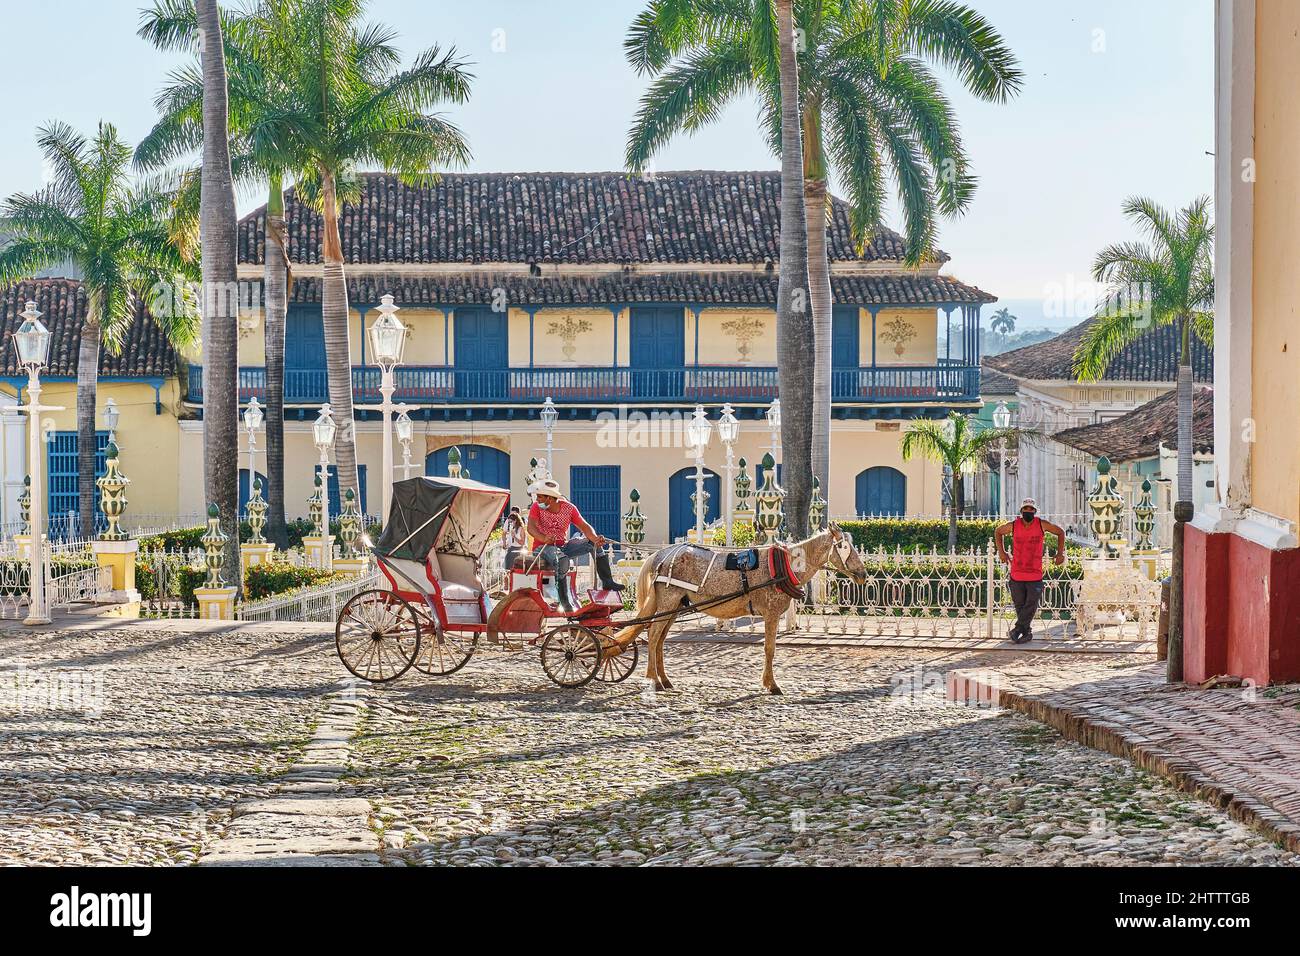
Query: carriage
434	612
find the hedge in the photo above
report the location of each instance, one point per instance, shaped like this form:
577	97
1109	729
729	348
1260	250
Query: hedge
265	580
913	535
185	538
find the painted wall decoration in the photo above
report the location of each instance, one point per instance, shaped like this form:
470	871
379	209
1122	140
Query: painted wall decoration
568	329
899	332
745	329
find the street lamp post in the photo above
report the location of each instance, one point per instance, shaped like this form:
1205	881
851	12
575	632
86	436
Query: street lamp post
405	431
323	431
549	415
253	419
1002	421
111	417
774	426
32	343
728	432
388	343
698	432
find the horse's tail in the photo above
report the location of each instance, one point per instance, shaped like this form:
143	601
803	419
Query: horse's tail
645	600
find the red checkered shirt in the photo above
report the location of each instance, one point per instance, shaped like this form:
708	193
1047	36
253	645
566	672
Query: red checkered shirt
553	522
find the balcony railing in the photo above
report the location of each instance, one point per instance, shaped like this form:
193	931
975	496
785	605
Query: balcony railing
442	385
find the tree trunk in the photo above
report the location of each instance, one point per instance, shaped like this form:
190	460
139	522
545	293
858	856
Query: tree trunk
275	284
1183	507
794	327
955	507
218	225
1185	414
87	381
338	351
819	278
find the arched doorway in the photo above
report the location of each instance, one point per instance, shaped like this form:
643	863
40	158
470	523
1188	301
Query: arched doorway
882	491
486	464
681	510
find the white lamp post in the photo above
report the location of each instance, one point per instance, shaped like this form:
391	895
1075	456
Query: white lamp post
728	432
698	432
1002	421
32	343
405	431
253	419
111	417
774	426
388	343
549	415
323	431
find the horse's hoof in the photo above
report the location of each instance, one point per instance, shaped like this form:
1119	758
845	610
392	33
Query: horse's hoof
774	690
667	685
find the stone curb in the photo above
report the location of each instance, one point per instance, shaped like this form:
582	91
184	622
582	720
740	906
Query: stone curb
1100	734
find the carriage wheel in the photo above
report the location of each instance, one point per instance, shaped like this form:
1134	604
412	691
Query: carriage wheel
443	650
516	621
616	668
377	636
571	655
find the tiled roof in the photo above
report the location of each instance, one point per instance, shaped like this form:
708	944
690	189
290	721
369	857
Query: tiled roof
145	352
1140	433
703	216
993	382
1152	358
701	287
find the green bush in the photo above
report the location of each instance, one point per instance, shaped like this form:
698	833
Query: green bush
265	580
913	535
742	536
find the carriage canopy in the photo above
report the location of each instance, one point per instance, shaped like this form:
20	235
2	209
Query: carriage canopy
454	515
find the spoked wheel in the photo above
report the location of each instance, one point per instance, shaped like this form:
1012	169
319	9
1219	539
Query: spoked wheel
571	655
377	636
617	665
443	651
516	621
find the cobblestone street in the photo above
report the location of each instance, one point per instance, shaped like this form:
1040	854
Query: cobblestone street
140	745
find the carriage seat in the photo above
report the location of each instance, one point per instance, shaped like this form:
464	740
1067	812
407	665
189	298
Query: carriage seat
454	573
528	561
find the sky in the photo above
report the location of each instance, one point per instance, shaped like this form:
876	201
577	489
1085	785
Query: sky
1118	100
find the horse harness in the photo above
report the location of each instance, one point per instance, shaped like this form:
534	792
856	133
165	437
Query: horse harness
780	574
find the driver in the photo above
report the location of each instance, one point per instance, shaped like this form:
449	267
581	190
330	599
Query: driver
548	524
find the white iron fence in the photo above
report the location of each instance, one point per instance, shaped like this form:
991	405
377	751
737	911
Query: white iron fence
321	603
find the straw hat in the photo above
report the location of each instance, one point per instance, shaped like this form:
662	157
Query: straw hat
547	486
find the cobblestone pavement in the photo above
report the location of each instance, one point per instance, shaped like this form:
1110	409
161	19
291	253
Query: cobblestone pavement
134	745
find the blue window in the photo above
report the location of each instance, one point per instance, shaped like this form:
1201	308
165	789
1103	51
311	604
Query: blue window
681	509
64	496
844	336
336	503
882	491
596	492
488	465
482	353
657	351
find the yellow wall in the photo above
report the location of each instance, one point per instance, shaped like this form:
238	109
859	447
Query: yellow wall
1275	455
722	332
903	337
591	340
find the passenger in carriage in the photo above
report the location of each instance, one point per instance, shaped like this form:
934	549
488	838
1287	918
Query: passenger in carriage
549	520
512	536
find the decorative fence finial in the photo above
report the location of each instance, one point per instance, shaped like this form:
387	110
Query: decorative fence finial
453	462
1144	517
316	507
817	507
214	544
25	504
112	494
634	521
1107	505
350	524
770	499
256	509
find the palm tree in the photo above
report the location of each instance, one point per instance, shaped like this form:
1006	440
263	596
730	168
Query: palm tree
218	225
1169	280
958	446
122	239
258	139
1003	322
870	107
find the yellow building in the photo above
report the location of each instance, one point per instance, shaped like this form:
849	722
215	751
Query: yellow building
625	300
1242	594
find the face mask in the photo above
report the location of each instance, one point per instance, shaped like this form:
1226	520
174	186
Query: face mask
544	506
1027	516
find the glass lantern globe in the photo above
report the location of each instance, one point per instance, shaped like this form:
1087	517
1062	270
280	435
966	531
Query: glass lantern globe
32	340
388	335
774	414
324	429
699	429
402	425
728	425
253	415
1002	416
549	414
111	415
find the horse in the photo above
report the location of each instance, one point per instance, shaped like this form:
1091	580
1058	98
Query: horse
660	591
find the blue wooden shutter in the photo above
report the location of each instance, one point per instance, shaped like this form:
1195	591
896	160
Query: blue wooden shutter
336	502
64	496
596	491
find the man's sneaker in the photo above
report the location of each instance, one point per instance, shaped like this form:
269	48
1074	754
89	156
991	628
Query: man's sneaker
1024	638
1013	635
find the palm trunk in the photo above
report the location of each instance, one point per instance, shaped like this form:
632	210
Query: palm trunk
87	381
794	326
955	507
1185	414
338	360
819	279
220	294
1183	506
276	289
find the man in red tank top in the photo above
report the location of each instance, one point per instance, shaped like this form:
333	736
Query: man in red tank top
1026	563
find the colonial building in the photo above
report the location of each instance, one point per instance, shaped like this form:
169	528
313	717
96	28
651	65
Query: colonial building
618	298
1050	400
141	381
1242	608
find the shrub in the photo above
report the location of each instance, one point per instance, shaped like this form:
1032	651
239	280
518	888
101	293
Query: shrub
912	535
265	580
742	536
